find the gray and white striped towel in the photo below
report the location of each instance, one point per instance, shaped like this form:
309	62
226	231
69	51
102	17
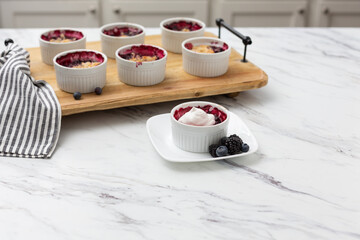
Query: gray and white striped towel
30	113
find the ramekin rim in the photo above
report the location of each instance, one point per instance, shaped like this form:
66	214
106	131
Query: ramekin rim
203	25
205	54
199	127
66	43
119	24
138	44
78	50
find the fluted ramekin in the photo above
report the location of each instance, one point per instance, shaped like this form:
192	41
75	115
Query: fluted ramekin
143	73
109	44
171	40
205	64
197	138
50	49
83	80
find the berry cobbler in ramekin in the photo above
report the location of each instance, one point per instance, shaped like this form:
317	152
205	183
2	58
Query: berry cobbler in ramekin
196	125
205	56
116	35
80	70
59	40
175	30
141	64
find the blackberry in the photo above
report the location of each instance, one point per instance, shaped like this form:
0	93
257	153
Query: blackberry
223	140
236	138
212	149
233	147
233	143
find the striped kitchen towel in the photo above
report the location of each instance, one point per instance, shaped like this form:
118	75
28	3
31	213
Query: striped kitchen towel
30	113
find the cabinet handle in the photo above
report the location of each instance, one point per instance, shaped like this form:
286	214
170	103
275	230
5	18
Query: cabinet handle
301	11
326	11
92	10
117	11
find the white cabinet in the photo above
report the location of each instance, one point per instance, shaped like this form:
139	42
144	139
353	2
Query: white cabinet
338	14
151	13
261	13
20	14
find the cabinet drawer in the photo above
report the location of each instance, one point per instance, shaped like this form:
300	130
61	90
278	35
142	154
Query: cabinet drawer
21	14
262	13
151	13
339	14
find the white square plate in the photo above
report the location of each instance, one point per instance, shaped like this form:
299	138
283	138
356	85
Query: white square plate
159	131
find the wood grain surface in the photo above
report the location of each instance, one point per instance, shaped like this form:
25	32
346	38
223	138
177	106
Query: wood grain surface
177	84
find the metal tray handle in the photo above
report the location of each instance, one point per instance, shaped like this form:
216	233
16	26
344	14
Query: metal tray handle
245	39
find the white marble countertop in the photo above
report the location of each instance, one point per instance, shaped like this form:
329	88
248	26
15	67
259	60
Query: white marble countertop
106	181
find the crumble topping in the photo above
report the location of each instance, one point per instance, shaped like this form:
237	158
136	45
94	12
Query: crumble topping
122	31
81	59
62	39
138	58
62	36
86	64
214	47
142	53
203	49
183	26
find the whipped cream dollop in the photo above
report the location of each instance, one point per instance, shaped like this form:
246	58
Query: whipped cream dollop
197	117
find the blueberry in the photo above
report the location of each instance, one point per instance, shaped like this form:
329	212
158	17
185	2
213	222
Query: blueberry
98	90
77	95
222	151
245	147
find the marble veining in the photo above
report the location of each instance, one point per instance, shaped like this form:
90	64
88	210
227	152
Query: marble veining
106	181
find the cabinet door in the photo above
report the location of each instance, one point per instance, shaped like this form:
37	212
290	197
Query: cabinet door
262	13
151	13
339	14
21	14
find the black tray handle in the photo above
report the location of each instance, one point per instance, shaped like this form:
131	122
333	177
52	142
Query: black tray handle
245	39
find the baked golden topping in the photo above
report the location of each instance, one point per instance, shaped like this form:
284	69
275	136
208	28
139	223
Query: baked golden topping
62	39
86	64
62	36
183	26
214	47
142	53
122	31
137	58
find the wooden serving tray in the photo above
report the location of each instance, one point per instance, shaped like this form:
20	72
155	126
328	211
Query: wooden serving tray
177	84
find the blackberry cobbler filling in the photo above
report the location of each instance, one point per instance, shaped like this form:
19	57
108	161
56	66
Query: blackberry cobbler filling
203	48
122	31
142	53
62	36
219	115
82	59
183	26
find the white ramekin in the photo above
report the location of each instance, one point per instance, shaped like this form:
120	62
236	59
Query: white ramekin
171	40
109	44
143	74
83	80
197	138
50	49
205	64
